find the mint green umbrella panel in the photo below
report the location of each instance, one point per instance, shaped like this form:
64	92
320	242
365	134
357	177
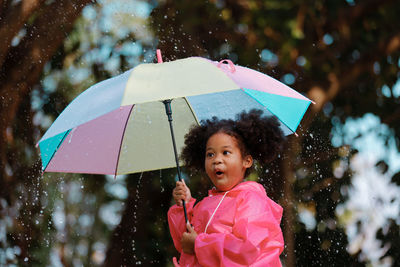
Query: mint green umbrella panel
119	126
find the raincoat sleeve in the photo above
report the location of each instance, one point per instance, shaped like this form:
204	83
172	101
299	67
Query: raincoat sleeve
256	238
177	224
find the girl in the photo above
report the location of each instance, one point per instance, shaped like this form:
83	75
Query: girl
237	224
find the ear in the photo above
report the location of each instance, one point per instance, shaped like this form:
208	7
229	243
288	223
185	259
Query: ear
247	161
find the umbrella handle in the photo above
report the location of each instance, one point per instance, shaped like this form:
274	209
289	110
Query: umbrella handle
168	111
230	63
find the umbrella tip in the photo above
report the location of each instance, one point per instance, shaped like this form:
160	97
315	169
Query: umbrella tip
159	57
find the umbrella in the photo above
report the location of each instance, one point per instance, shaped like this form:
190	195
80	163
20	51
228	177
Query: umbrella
118	126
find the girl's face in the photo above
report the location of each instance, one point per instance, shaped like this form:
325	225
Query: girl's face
224	162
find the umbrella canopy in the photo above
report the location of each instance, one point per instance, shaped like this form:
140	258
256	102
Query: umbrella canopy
119	126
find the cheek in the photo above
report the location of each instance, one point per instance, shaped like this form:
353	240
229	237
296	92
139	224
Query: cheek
206	164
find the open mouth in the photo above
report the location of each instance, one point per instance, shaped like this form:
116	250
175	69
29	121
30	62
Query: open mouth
219	173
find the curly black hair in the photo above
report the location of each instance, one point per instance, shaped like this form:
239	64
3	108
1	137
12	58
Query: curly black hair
257	135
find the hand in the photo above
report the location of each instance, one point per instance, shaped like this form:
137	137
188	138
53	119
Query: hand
188	238
181	192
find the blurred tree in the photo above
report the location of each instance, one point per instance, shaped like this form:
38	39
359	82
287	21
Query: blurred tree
30	34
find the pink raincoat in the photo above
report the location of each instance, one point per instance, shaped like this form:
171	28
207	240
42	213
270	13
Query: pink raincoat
240	227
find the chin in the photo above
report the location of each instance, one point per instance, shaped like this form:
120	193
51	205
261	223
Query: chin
223	188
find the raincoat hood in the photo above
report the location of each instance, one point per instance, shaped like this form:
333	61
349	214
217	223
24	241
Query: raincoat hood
243	186
253	188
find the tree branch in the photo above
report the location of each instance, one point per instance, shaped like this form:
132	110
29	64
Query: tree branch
287	200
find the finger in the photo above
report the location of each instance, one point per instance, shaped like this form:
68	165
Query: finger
180	195
180	190
189	227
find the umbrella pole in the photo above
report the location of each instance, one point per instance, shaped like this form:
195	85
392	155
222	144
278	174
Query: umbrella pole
168	111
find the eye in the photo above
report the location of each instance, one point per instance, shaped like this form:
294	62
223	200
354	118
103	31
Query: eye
209	154
226	152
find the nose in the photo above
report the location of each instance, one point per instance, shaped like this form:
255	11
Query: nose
217	159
